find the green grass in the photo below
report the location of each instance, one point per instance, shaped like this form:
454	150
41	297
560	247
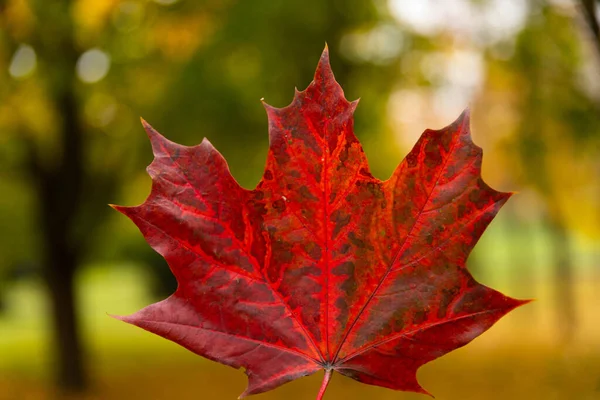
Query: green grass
517	359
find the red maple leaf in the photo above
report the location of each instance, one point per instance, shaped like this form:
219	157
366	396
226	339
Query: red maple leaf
322	266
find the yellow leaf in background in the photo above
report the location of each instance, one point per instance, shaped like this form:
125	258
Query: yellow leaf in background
92	14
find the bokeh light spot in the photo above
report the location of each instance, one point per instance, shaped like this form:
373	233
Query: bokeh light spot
23	62
93	65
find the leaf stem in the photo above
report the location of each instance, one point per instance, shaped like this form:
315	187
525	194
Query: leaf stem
326	379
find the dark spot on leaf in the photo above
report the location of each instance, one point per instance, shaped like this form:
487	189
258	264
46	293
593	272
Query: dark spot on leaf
306	194
279	151
472	301
365	172
375	189
420	317
433	155
344	154
345	248
445	140
307	137
447	296
461	211
413	158
345	268
342	306
340	218
360	243
279	205
429	238
479	198
349	286
283	251
258	207
402	212
293	274
332	197
318	171
313	250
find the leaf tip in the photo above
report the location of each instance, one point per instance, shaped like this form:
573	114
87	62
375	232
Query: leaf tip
119	317
148	128
425	392
512	304
524	302
121	209
156	139
417	388
129	319
324	72
464	120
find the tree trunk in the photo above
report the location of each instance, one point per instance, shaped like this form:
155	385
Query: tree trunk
61	196
59	193
60	273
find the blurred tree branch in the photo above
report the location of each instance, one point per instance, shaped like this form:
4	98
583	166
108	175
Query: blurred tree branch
589	8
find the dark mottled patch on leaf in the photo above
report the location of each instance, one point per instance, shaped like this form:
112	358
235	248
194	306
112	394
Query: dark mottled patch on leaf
345	248
279	205
358	242
340	218
461	211
313	250
309	140
345	268
306	194
447	296
420	317
365	172
477	198
318	172
332	197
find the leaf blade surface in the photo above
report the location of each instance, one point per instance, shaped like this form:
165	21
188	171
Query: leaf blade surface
321	266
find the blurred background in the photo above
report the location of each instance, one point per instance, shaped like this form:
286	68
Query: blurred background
76	75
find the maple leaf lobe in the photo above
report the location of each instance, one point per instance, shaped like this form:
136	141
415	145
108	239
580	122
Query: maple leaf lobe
321	266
